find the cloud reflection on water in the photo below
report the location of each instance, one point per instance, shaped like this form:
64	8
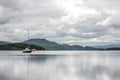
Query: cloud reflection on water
68	67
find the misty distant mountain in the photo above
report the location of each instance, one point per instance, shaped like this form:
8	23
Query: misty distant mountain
108	46
50	45
114	48
4	42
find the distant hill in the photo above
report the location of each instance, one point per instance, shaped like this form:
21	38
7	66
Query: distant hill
19	46
50	45
108	46
4	42
114	48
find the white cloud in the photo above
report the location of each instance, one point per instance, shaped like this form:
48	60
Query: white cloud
72	21
104	22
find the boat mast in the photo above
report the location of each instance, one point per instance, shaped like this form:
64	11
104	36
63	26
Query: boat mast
28	39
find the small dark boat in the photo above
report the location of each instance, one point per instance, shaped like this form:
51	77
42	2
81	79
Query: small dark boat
27	50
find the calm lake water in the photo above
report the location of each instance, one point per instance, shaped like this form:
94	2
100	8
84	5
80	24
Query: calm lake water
60	65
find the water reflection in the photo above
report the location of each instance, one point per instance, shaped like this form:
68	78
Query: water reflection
78	66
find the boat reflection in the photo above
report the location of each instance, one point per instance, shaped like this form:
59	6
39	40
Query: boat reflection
60	67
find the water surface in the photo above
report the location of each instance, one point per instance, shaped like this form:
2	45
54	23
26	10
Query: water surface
60	65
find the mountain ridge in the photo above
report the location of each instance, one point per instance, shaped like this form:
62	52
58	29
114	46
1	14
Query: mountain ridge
51	45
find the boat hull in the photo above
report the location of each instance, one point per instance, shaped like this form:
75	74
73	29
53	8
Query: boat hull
27	51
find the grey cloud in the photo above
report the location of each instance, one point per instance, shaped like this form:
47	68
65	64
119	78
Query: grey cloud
10	10
4	21
116	27
101	4
45	17
13	4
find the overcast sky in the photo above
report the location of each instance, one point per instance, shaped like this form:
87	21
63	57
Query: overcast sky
83	22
